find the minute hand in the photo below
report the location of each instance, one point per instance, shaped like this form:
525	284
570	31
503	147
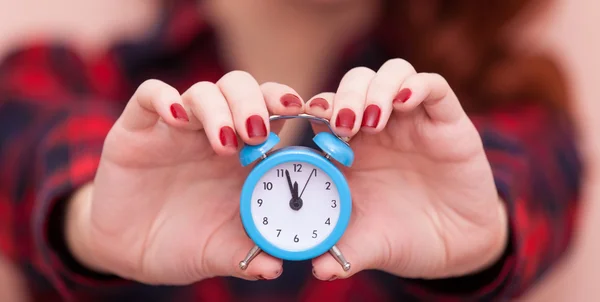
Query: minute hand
311	174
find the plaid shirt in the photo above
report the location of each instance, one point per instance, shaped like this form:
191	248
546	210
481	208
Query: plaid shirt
55	111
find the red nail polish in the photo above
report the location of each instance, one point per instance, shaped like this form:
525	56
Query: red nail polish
290	100
319	102
371	116
345	119
179	113
403	95
256	126
227	137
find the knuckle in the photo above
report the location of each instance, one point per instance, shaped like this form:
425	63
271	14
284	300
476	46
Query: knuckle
153	90
151	84
361	71
235	76
198	89
437	79
381	85
349	96
399	64
270	85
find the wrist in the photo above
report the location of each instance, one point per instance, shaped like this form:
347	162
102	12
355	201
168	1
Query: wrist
494	248
487	250
499	242
76	230
491	269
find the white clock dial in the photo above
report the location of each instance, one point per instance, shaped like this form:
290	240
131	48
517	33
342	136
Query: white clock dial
289	224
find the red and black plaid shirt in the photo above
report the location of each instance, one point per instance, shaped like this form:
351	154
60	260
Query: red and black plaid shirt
55	110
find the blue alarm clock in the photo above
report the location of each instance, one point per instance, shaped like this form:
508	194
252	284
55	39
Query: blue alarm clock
295	203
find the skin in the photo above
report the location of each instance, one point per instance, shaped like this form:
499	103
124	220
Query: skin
425	204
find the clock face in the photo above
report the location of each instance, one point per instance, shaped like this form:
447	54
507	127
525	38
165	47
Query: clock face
295	206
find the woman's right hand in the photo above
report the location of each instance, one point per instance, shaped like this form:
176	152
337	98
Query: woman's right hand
164	206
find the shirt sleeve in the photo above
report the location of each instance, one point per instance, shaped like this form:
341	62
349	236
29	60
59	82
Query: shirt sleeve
53	122
536	165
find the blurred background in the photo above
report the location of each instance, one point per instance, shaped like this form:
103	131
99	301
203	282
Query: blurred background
569	30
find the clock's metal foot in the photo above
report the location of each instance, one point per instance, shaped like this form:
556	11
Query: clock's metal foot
249	257
339	257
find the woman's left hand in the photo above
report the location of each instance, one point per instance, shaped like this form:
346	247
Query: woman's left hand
425	202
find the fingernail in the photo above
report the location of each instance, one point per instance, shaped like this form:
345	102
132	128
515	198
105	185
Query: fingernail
260	277
403	95
290	100
333	278
371	116
345	119
278	273
256	127
227	137
179	113
319	102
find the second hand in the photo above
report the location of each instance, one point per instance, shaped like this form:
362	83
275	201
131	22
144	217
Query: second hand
311	174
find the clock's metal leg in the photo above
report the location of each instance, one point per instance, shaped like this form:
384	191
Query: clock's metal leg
249	257
339	257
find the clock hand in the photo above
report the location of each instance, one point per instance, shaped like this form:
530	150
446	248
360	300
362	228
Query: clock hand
289	181
311	174
295	194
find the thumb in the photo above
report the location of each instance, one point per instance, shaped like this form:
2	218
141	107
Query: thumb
360	246
227	248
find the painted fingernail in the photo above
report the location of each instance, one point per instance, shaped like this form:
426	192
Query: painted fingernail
256	127
227	137
290	100
371	116
319	102
179	113
403	95
345	119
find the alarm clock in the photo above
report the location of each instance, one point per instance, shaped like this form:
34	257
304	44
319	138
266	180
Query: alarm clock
295	203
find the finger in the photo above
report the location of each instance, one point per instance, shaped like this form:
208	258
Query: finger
208	104
358	248
434	93
383	89
154	100
229	248
349	101
247	105
320	105
281	100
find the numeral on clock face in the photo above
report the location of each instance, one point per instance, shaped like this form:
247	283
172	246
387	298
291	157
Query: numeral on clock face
296	206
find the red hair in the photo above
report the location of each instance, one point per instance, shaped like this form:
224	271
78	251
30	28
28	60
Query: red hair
465	41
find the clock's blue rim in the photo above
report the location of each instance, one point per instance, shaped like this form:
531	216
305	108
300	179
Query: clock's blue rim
301	154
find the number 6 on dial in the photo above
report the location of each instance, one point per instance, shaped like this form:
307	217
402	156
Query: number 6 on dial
295	203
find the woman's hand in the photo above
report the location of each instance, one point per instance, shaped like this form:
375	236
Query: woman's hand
164	206
425	202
